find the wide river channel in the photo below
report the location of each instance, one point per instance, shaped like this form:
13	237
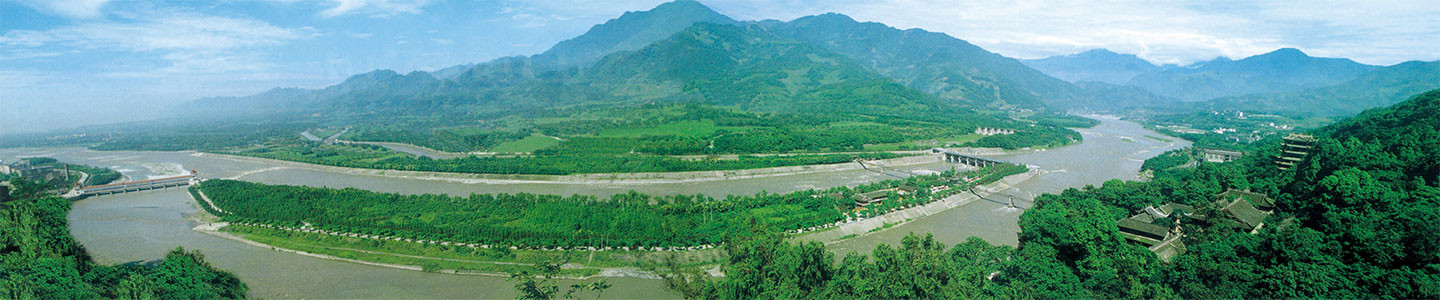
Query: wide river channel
143	226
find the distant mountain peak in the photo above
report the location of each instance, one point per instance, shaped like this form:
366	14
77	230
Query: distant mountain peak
1099	65
1283	70
372	76
631	31
1099	52
831	16
680	4
1287	52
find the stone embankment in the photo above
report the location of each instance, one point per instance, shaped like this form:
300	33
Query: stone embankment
598	178
308	229
839	231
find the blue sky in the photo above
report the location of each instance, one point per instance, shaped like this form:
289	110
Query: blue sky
72	62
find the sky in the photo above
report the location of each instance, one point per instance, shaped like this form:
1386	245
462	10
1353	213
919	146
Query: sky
79	62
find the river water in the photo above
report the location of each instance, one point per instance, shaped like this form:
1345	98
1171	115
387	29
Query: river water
143	226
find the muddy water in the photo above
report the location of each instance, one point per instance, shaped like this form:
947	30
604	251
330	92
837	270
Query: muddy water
142	226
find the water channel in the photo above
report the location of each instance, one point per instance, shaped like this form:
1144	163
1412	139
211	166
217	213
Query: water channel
143	226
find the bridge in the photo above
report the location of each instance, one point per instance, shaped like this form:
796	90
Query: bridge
135	186
956	157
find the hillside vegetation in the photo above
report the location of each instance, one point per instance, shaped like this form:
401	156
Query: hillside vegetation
1355	220
40	260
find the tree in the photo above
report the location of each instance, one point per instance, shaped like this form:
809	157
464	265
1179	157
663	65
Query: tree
541	285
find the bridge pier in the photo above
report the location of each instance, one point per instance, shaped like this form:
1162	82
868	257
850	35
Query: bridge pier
956	157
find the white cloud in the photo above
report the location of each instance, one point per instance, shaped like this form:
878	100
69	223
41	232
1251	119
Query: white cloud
188	43
374	8
75	9
183	32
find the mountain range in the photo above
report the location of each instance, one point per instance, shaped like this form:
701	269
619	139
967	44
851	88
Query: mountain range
666	54
1282	81
683	51
1097	65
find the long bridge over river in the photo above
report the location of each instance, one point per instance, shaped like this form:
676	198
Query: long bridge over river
966	159
135	186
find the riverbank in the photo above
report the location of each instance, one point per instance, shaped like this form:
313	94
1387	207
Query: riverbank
378	252
597	178
867	226
423	255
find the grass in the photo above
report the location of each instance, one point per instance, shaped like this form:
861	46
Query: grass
463	259
687	128
324	132
468	130
1161	139
884	227
527	144
783	214
854	124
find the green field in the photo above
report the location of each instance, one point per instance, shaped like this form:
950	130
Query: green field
924	144
325	132
526	145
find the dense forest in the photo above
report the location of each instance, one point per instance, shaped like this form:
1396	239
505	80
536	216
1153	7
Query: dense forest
40	260
547	221
1354	221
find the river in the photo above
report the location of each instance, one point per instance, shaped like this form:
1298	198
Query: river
143	226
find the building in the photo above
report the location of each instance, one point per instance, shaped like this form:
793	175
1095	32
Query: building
1246	214
1260	201
1158	228
41	172
939	188
906	190
1245	208
1146	233
1220	156
1294	149
1149	229
863	199
993	131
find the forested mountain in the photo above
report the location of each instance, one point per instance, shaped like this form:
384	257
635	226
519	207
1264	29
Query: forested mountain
1381	87
821	83
1124	98
757	71
1283	70
936	63
1097	65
